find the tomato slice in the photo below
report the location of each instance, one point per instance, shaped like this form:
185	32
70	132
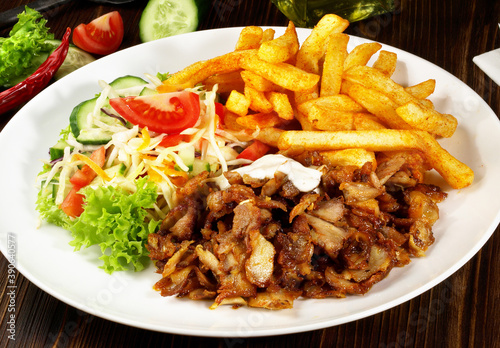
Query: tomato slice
169	113
84	176
101	36
255	151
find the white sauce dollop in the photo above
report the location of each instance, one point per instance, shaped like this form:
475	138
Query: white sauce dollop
303	178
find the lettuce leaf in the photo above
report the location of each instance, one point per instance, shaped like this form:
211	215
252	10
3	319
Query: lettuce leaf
115	220
25	49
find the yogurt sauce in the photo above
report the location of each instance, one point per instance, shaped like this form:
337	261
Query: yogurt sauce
303	178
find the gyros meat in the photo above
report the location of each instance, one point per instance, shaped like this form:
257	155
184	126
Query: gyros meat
254	243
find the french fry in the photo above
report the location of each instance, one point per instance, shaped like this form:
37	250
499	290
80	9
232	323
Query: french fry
267	35
200	71
281	49
258	100
375	79
332	112
331	120
281	105
250	38
237	103
339	102
457	174
257	82
281	74
361	54
427	119
386	62
333	66
230	121
365	121
379	105
423	89
349	157
226	82
313	49
259	120
269	136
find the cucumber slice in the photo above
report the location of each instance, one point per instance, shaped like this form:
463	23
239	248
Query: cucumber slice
187	156
162	18
127	82
148	91
75	59
199	166
89	134
57	151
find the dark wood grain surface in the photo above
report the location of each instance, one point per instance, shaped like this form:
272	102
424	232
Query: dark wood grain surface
462	311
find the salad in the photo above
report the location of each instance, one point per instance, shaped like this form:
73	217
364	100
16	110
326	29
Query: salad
112	176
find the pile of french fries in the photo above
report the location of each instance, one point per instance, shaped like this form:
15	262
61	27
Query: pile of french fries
345	110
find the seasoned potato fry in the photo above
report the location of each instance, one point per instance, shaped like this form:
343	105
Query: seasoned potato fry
282	74
349	157
281	105
230	121
375	79
333	66
200	71
378	104
427	119
456	173
386	62
257	82
281	49
267	35
335	112
237	103
340	102
250	38
269	136
313	48
361	54
226	82
259	121
258	100
365	121
423	89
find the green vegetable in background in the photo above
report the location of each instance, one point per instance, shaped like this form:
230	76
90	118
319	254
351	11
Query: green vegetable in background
25	49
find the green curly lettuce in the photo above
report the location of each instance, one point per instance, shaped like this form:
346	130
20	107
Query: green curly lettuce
113	219
25	49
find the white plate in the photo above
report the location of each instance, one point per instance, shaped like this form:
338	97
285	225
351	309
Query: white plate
468	216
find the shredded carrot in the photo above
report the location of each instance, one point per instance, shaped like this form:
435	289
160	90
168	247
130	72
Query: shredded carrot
146	139
94	166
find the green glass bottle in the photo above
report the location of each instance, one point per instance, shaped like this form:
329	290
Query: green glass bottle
306	13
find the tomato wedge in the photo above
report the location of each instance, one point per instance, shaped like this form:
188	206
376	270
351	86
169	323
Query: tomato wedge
173	140
168	113
101	36
73	203
255	151
84	176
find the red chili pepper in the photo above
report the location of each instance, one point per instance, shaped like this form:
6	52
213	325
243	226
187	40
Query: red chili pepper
27	89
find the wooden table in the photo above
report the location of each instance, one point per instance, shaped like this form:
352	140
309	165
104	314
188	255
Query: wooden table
461	311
